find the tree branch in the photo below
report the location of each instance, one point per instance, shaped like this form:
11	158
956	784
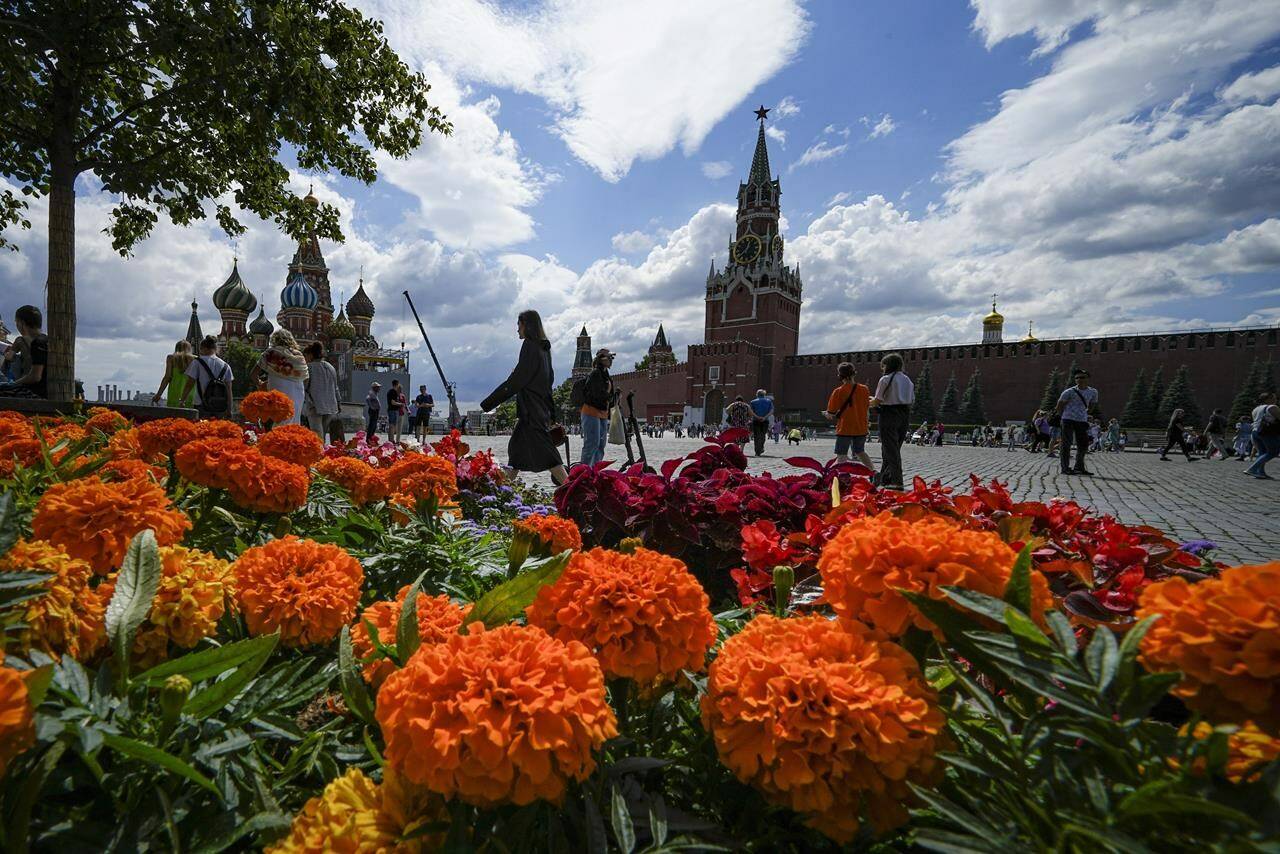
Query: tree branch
130	109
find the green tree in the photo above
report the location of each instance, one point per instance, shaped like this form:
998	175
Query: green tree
1154	399
1179	395
643	364
175	105
1268	378
949	411
241	357
1052	390
560	397
504	417
1247	397
922	409
1135	408
971	411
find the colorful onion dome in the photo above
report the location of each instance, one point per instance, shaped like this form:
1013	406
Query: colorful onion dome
298	293
234	295
260	325
341	329
360	305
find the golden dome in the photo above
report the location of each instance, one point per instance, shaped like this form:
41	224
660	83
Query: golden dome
1030	339
310	197
995	318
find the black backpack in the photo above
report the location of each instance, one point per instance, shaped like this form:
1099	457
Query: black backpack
578	393
213	397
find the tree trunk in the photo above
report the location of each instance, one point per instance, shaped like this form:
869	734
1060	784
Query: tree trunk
60	288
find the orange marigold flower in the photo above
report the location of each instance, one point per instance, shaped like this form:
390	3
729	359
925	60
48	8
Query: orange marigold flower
12	415
1248	749
18	453
419	477
508	715
828	718
218	428
354	814
17	719
127	445
216	462
362	481
268	485
64	433
556	533
1224	635
65	617
306	590
292	443
116	470
195	590
266	406
438	620
871	558
165	435
106	421
644	615
95	521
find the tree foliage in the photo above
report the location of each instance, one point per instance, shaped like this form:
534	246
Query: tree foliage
1179	395
1155	396
949	411
183	109
1135	407
1052	390
923	409
971	409
242	358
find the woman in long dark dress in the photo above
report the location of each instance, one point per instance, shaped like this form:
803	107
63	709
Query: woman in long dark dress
531	448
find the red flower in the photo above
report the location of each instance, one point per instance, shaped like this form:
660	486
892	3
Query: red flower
762	547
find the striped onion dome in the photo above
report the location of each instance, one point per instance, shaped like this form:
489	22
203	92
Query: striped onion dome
360	305
261	326
234	294
298	293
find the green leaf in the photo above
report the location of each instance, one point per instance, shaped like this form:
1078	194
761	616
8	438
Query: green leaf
353	690
157	757
956	815
8	522
213	698
623	828
407	639
136	585
19	819
38	681
980	603
508	600
260	822
1102	657
1061	627
657	819
1129	648
209	663
1022	627
1018	591
932	839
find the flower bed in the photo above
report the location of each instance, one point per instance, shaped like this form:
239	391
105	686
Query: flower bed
220	637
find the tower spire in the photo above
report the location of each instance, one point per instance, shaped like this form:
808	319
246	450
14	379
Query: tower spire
760	173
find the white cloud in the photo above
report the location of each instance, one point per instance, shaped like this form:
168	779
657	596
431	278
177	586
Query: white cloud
839	198
631	242
788	106
1259	86
817	153
832	130
717	169
777	134
626	81
882	126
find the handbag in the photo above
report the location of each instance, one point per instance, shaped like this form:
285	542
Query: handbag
557	434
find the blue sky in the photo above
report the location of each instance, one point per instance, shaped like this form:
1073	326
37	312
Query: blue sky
1105	165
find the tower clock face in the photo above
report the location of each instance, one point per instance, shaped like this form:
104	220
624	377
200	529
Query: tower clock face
747	249
777	245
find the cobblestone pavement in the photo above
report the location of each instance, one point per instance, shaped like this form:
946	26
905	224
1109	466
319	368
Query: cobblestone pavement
1208	499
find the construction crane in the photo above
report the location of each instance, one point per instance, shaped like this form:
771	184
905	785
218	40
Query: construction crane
455	417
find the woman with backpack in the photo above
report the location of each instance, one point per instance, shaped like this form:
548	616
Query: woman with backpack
591	394
532	447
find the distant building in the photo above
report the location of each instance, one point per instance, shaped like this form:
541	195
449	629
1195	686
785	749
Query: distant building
752	328
582	357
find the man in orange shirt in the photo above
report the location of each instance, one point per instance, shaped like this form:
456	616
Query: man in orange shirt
847	407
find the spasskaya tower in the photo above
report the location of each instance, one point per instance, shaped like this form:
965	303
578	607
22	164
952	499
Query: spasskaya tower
756	297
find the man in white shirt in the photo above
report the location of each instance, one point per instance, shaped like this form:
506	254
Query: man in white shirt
893	398
211	381
1075	405
321	399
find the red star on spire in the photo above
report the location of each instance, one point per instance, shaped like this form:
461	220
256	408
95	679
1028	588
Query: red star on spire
761	113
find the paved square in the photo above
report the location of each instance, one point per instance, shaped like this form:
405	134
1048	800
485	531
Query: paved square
1207	499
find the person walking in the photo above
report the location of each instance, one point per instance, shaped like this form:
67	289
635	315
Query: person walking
761	413
28	358
1244	437
1216	432
531	447
211	380
1039	431
1113	436
1075	405
321	395
372	411
286	370
597	391
1011	438
848	405
1174	435
893	398
395	412
1266	435
739	416
422	426
175	379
